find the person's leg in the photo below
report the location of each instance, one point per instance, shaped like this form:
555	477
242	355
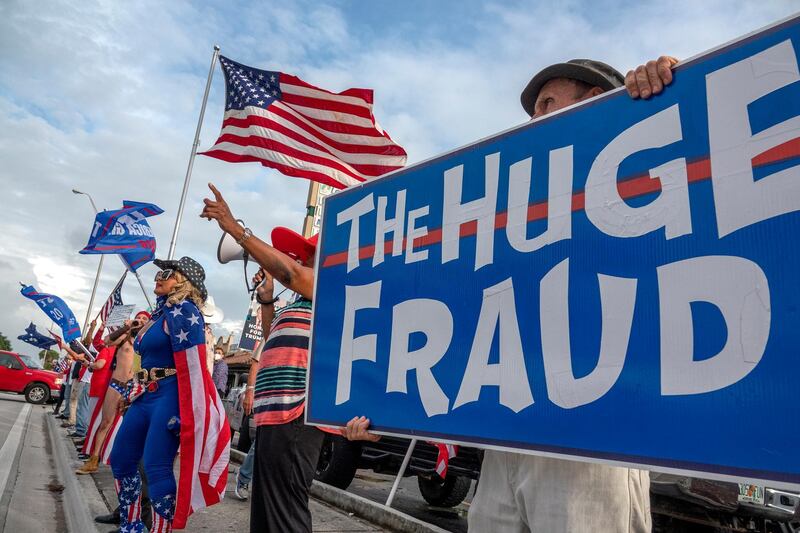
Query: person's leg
109	413
290	459
67	390
84	412
493	507
159	455
561	496
60	400
125	456
258	506
75	393
246	470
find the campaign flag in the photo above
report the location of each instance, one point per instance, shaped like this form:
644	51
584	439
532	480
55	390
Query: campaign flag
282	122
34	338
614	283
204	430
126	232
58	311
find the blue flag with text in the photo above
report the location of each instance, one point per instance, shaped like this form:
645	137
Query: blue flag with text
58	311
126	232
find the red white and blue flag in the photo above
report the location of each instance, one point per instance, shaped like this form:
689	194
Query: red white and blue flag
282	122
446	452
114	299
205	435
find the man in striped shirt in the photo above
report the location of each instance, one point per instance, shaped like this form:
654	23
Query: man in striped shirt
287	450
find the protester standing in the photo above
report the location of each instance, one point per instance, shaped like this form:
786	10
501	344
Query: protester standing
287	450
220	372
172	402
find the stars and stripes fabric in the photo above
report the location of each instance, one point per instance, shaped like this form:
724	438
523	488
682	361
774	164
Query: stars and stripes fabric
114	299
205	435
129	492
282	122
446	452
60	366
91	433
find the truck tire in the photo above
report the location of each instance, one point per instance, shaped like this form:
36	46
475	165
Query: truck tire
444	493
338	461
37	393
244	435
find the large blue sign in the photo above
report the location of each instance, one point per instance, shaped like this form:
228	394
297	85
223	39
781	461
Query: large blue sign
616	282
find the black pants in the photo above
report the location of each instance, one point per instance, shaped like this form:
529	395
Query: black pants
285	461
60	399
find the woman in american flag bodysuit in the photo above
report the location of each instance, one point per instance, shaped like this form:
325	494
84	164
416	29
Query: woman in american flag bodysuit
172	402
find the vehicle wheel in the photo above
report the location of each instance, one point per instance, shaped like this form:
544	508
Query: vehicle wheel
338	461
37	393
444	493
244	436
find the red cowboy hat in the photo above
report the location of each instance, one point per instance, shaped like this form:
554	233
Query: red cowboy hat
293	244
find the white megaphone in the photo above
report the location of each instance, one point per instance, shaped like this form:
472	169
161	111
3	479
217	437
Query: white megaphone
229	250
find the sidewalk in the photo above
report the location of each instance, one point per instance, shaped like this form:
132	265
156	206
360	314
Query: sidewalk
97	492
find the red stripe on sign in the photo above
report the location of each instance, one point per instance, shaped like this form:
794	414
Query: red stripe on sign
632	187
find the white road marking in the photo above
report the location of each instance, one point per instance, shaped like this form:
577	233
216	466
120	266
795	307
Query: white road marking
11	445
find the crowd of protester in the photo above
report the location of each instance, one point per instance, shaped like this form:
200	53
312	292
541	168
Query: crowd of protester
517	492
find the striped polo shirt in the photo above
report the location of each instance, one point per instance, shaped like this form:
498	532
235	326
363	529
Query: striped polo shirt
280	393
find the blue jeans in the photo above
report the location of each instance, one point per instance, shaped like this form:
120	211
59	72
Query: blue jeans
246	470
67	390
84	414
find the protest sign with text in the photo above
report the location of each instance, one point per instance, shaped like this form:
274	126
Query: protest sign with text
617	282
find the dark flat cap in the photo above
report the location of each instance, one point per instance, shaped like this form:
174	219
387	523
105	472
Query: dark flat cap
592	72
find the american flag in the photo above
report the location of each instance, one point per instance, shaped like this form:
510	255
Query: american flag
114	299
282	122
60	366
205	435
446	452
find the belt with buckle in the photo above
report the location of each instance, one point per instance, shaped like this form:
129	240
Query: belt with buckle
154	374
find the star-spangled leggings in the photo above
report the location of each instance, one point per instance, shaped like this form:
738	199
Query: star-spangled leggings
145	435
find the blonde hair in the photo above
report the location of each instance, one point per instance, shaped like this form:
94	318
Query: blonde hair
184	289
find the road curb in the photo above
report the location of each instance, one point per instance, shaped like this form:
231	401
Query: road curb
75	503
373	512
377	514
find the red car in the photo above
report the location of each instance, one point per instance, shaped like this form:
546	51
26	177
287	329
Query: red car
24	375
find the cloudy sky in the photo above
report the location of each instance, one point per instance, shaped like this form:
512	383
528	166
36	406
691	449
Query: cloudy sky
103	96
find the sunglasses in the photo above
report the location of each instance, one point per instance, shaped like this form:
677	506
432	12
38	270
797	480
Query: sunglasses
164	275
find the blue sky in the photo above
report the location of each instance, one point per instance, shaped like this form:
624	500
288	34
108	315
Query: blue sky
104	96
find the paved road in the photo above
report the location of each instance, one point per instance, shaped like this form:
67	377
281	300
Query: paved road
30	498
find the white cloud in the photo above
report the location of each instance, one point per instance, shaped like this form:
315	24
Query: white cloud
104	97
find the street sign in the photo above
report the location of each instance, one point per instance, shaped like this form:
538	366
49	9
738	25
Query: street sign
617	282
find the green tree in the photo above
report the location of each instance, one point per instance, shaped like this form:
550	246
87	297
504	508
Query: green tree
47	357
5	344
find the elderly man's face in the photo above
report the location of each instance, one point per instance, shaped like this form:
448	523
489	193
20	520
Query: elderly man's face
559	93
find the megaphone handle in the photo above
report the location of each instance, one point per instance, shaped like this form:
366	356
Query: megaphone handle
246	277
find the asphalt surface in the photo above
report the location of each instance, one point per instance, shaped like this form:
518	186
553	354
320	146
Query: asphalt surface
408	500
30	493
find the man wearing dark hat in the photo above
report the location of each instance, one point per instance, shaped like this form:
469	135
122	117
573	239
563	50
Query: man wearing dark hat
286	450
519	492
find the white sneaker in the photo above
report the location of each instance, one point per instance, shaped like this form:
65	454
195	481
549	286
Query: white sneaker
242	490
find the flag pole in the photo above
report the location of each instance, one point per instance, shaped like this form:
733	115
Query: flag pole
196	143
146	296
